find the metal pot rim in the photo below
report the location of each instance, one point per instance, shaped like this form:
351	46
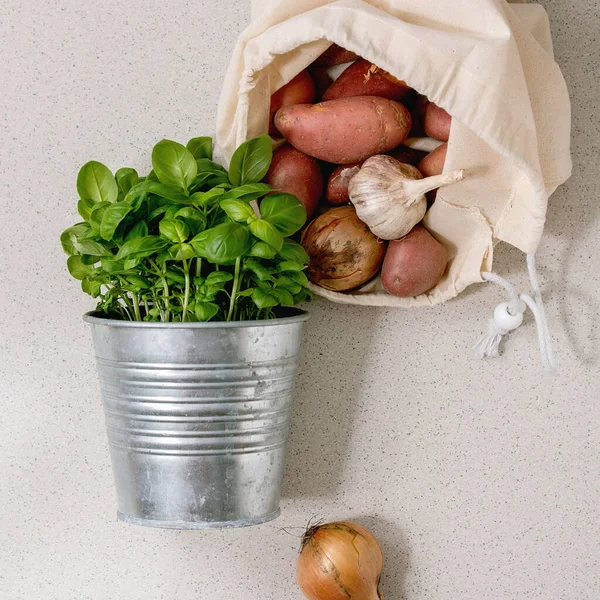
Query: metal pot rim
96	318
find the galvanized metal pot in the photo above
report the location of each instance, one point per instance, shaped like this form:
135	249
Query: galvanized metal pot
197	417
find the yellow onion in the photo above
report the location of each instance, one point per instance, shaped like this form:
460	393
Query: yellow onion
343	253
339	561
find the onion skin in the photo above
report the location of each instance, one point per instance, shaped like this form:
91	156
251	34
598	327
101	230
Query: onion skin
343	253
339	561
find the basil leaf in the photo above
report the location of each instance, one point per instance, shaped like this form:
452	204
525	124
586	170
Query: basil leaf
91	287
113	266
181	252
237	210
206	199
160	189
201	147
266	232
174	164
142	247
290	265
91	247
263	272
298	277
223	243
85	207
96	182
193	218
112	217
264	299
218	277
205	311
97	215
289	284
76	231
175	230
77	268
293	251
262	250
251	161
248	192
284	297
126	178
285	211
245	293
139	230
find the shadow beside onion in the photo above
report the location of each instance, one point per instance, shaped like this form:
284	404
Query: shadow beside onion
396	555
331	380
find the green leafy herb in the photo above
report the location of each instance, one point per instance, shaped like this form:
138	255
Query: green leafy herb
184	243
251	161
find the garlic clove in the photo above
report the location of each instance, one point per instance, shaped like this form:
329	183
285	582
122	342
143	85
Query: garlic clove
389	196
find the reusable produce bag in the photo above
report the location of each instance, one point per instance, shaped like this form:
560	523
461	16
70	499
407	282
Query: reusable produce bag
489	63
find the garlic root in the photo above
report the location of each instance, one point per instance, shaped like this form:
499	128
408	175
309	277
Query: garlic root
389	196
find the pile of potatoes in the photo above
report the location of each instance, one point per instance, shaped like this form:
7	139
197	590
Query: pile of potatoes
329	128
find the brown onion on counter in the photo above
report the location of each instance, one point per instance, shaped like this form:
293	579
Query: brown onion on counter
339	561
343	253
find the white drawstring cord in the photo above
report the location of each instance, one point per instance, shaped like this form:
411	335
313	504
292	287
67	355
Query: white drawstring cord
508	316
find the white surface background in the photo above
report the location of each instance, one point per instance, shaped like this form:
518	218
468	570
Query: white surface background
482	479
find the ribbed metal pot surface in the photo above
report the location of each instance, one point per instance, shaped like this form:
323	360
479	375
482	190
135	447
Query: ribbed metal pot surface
197	416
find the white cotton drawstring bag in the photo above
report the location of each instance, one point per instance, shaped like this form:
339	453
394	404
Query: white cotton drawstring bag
488	63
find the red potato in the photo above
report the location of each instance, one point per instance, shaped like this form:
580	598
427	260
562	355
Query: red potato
334	55
437	122
365	79
322	79
433	163
337	186
414	264
300	90
405	155
296	173
347	130
339	180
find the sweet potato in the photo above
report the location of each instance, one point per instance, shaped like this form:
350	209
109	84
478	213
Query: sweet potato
413	264
337	186
433	163
347	130
299	90
437	122
296	173
334	55
364	79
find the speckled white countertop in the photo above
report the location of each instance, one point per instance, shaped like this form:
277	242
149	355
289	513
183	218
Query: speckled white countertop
482	480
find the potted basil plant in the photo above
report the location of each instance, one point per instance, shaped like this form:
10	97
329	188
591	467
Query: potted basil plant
195	331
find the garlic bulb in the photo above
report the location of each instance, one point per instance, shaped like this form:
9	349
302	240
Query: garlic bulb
389	196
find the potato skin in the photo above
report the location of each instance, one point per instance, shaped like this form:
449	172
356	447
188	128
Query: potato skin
433	163
343	253
347	130
334	55
296	173
300	90
405	155
437	122
337	186
414	264
356	80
